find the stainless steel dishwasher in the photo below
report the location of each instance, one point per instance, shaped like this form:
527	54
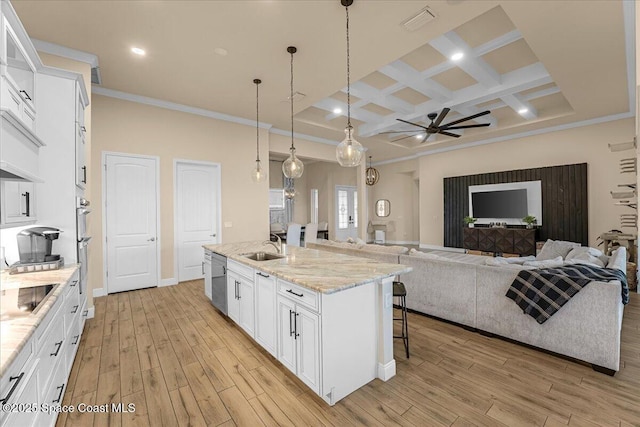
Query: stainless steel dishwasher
219	281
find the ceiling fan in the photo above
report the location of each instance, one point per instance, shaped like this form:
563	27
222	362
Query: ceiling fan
435	127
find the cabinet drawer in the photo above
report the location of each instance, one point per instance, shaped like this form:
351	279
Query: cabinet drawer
241	269
26	394
14	377
71	343
299	294
51	351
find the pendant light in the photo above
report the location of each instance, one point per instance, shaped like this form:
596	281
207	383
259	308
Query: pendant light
349	152
292	167
372	175
258	174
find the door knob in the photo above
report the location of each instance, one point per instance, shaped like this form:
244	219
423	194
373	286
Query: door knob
153	239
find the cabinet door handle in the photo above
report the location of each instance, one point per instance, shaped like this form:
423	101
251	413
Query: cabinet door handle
291	330
59	345
13	387
75	341
238	285
295	326
298	295
75	309
224	270
57	399
84	174
27	203
84	313
203	268
26	95
74	283
262	274
83	129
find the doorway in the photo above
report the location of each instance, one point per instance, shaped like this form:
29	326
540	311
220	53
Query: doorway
197	214
130	202
346	212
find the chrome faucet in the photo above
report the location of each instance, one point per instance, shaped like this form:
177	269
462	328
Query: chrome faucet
277	245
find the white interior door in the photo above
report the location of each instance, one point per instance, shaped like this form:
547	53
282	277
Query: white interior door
197	214
346	212
131	222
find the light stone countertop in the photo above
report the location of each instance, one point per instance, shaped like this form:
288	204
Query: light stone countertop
14	334
321	271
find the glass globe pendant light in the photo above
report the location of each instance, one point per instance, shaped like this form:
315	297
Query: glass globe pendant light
292	167
349	152
258	174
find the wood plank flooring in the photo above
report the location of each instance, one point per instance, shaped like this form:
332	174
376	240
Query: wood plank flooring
181	363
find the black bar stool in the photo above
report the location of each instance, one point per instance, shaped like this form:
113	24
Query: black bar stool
401	292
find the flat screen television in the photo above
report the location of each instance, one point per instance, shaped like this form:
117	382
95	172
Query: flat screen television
500	204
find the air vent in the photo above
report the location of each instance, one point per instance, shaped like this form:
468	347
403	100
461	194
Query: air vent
419	19
95	76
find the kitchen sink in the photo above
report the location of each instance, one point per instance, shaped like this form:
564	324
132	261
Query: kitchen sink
263	256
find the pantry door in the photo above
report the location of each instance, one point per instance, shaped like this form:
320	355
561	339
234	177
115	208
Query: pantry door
346	206
197	214
130	201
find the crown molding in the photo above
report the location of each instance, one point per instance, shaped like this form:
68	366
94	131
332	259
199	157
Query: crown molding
65	52
98	90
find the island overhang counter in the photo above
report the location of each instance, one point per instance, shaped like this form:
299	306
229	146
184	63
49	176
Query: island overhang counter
327	317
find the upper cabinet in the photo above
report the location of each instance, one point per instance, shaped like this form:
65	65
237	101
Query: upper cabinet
81	130
18	76
19	65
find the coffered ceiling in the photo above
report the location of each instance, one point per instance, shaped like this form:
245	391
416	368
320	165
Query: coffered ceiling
534	64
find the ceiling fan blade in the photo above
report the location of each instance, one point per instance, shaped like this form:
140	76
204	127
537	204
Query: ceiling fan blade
411	123
405	137
455	122
425	138
441	117
449	134
479	125
400	131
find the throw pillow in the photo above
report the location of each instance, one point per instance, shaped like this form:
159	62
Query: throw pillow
546	263
556	248
587	255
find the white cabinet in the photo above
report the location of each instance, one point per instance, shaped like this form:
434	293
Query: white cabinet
206	269
38	375
265	295
18	202
18	92
299	339
240	296
81	157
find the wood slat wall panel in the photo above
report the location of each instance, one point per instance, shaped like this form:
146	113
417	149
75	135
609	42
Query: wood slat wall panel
564	201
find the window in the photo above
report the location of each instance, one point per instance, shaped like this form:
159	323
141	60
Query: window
314	205
343	210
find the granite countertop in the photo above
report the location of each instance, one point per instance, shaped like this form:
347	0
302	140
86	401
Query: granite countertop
14	334
321	271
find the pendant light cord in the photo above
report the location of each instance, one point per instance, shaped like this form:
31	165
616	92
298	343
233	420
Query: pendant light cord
348	75
257	127
292	147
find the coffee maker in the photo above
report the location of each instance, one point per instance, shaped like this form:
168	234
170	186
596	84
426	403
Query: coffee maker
34	247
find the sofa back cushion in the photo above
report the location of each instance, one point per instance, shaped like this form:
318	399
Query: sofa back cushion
556	248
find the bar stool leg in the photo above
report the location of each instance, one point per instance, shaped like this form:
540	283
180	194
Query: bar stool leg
405	325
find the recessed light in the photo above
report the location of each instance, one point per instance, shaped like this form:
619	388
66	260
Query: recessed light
138	51
220	51
457	56
337	110
523	111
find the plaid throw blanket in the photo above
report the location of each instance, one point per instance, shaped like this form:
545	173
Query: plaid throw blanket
540	293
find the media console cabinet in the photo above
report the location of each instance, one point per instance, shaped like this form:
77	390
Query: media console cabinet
520	241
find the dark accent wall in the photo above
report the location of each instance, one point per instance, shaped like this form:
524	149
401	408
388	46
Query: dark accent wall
564	201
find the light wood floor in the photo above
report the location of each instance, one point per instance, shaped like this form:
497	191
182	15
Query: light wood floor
181	363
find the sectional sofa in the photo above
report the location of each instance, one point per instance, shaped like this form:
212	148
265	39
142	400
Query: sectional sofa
462	289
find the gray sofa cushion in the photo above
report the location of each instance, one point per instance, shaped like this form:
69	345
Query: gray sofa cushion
555	248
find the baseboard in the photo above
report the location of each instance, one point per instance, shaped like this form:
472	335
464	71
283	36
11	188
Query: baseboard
168	282
441	248
99	292
403	242
387	371
91	312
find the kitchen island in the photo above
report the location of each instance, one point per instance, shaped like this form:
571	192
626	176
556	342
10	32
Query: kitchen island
325	316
